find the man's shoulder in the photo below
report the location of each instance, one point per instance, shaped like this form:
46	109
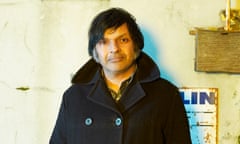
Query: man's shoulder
165	82
86	72
162	85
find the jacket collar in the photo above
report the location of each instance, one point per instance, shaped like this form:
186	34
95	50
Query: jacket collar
90	74
147	71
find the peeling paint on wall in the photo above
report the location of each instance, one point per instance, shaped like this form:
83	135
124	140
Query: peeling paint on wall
42	42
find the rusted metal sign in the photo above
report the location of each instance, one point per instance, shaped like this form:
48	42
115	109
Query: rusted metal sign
202	110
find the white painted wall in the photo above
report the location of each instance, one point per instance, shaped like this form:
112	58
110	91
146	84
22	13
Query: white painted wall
42	43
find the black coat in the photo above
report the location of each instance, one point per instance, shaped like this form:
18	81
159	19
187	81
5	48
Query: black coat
149	112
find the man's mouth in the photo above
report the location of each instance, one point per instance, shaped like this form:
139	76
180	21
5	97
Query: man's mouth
115	59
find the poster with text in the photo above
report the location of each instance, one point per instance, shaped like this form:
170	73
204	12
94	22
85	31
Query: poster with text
201	105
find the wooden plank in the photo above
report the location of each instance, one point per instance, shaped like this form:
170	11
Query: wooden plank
217	51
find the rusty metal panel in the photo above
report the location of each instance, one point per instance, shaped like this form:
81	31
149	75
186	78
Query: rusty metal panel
217	51
201	105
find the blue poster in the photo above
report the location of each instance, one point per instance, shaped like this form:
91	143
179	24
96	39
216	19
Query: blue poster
201	105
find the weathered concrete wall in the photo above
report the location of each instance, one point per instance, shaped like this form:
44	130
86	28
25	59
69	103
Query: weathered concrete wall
43	42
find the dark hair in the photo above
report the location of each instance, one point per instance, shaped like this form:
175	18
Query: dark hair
113	18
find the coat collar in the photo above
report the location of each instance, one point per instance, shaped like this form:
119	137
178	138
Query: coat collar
147	71
90	74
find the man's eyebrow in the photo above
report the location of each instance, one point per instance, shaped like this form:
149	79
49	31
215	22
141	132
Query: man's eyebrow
121	35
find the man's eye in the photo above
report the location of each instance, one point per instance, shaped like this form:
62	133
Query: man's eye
124	40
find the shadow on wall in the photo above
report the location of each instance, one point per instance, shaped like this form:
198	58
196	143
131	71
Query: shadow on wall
155	51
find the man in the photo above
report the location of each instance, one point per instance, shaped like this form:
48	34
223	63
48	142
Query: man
118	96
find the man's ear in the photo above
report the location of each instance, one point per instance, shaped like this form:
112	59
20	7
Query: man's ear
95	55
137	53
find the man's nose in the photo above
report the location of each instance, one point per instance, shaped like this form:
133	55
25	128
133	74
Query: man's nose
113	46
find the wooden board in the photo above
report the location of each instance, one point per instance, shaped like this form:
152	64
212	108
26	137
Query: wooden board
217	51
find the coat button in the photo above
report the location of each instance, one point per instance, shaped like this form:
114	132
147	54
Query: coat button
118	121
88	121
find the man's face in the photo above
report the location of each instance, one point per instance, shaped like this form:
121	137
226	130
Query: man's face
116	51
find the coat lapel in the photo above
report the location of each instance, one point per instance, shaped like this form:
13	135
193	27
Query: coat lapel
89	74
132	96
101	96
